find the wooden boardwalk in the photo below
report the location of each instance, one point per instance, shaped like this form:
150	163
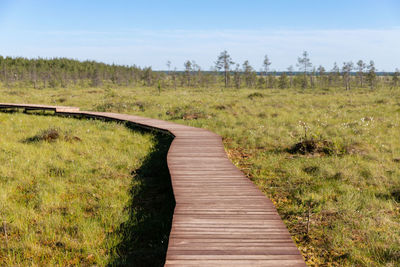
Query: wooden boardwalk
221	218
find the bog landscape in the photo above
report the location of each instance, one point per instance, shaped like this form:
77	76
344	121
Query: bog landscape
326	156
321	142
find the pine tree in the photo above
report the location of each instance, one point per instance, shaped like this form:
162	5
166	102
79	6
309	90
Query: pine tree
283	81
266	63
360	67
371	75
237	77
335	74
224	62
249	74
188	71
346	71
304	65
396	78
321	74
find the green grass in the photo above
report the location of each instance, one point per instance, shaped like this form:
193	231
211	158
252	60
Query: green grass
63	200
347	193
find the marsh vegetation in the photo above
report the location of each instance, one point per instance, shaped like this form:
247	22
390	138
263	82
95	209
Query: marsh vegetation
74	192
325	148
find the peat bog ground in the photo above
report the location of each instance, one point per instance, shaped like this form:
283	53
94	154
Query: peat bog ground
328	158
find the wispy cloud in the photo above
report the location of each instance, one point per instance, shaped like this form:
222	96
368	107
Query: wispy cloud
155	47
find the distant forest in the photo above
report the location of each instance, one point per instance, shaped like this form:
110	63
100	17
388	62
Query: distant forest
63	72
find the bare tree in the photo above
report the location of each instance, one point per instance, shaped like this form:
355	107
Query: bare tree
224	62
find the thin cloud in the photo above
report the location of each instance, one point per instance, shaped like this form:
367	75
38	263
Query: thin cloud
155	47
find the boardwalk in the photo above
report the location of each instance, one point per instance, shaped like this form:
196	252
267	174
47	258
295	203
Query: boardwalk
221	218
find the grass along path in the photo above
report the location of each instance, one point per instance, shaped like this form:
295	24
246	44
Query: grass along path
66	188
340	199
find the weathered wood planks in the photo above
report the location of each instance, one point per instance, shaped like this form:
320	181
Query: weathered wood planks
221	218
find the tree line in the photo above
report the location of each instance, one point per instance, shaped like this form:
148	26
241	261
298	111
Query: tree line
64	72
360	74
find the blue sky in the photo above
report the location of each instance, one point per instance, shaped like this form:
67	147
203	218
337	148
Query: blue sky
149	33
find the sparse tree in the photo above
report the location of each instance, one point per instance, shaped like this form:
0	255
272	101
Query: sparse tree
291	73
396	78
249	74
321	74
271	80
321	70
346	72
188	71
196	73
360	71
304	65
62	72
148	76
95	79
174	78
371	75
168	66
261	82
266	63
159	87
312	75
237	77
34	76
334	75
283	81
224	62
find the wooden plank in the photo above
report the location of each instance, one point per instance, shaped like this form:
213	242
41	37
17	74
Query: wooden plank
221	218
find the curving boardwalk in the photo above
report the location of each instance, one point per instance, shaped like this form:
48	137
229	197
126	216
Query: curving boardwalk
221	218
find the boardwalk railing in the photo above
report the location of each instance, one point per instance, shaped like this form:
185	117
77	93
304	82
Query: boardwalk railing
221	218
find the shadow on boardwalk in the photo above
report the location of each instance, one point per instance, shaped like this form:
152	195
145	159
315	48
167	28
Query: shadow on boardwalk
144	236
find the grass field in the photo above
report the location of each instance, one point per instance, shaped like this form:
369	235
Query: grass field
328	158
65	189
